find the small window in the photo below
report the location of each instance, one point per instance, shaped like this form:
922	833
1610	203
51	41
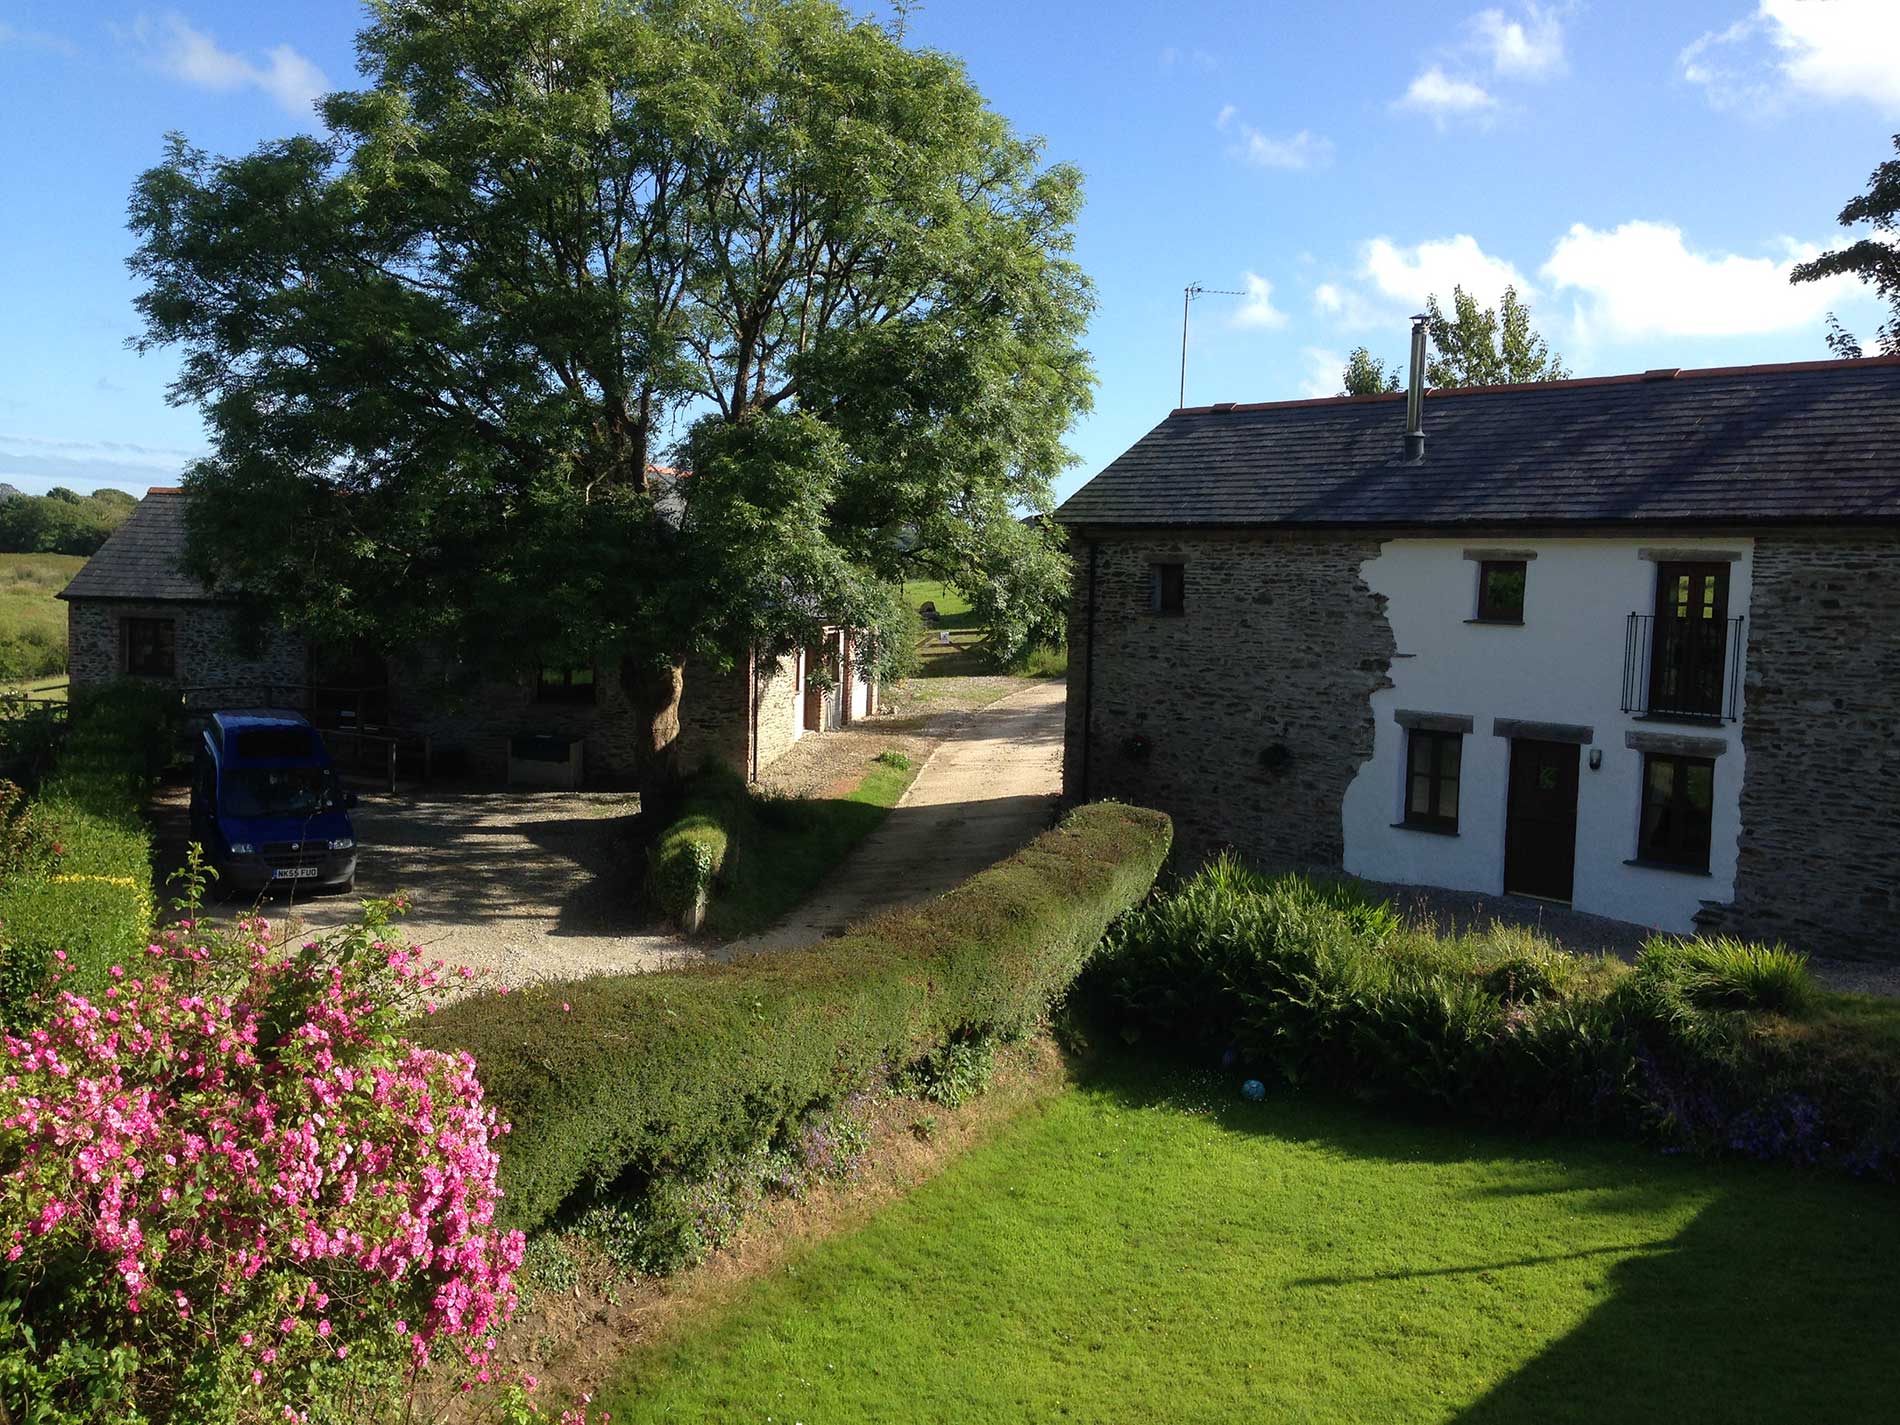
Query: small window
564	685
1678	811
150	647
1431	779
1168	588
1501	590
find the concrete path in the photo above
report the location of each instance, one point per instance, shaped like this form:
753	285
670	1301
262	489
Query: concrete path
980	796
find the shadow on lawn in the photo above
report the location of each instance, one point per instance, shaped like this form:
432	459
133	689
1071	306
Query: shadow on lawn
1781	1288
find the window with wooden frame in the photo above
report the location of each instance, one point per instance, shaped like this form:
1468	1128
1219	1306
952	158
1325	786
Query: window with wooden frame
564	685
1501	590
1432	763
151	647
1678	811
1167	588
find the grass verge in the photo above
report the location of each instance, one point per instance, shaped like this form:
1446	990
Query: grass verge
792	843
1151	1247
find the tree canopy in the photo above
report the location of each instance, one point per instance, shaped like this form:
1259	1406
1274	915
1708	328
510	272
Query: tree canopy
1486	346
450	354
1367	375
1875	259
61	521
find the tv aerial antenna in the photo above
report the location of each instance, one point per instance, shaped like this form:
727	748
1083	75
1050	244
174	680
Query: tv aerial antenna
1188	294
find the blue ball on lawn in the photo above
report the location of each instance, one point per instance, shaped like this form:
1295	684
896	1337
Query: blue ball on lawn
1253	1090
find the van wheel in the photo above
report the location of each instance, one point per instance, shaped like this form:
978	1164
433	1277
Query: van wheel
349	886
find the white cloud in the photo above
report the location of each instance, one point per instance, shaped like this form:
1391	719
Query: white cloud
1642	280
1839	50
36	39
189	54
1258	310
1530	48
1436	93
1392	281
1174	56
1431	269
1323	370
1300	151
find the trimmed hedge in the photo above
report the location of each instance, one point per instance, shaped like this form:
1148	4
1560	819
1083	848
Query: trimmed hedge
93	899
1713	1046
676	1071
691	853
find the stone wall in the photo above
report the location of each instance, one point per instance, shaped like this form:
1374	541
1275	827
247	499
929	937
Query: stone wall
1819	863
1255	701
206	648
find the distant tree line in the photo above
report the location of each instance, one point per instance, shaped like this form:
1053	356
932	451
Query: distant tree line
61	521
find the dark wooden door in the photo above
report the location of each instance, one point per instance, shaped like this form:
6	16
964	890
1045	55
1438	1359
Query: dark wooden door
1540	833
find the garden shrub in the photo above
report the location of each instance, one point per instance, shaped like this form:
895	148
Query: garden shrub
1713	1045
233	1191
92	899
670	1075
692	852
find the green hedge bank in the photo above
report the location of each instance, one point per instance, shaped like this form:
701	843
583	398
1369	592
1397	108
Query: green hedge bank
91	895
672	1072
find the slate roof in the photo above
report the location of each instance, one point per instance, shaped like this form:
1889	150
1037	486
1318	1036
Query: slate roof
140	559
1810	442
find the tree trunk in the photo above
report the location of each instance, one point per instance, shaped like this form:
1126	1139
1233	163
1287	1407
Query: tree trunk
655	695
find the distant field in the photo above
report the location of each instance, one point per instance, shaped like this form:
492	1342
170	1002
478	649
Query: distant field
32	620
959	644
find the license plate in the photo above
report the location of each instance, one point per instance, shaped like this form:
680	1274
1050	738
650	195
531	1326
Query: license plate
294	873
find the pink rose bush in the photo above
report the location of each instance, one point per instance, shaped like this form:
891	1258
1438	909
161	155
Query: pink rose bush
231	1190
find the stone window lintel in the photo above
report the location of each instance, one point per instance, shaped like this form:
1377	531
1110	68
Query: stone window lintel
1431	721
1690	556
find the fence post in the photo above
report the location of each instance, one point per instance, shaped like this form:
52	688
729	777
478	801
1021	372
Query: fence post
392	764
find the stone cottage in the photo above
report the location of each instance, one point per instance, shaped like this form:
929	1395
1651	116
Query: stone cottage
133	613
1629	644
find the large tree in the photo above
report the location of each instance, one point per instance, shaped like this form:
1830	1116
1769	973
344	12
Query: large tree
1486	346
447	352
1874	259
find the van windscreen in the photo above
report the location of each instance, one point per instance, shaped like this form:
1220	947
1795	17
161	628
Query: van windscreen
272	744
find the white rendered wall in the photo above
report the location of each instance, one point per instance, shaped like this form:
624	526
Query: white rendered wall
1564	664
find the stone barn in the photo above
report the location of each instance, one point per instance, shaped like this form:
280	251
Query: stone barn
1628	644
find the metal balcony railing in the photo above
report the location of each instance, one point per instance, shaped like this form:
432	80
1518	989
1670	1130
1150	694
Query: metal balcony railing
1691	668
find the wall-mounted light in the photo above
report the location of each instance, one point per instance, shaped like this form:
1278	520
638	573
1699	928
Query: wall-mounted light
1596	759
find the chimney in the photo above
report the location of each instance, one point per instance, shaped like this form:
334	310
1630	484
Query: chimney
1415	395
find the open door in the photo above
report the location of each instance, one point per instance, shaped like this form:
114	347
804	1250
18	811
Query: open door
1540	833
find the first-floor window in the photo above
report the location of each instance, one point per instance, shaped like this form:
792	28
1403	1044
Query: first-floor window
564	685
150	647
1678	810
1431	779
1167	588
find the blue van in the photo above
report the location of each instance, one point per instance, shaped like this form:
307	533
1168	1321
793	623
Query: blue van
268	806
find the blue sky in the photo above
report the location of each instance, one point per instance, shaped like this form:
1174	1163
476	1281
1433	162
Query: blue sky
1645	172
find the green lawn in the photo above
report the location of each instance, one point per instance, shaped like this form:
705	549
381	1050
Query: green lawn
32	620
789	847
1131	1254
